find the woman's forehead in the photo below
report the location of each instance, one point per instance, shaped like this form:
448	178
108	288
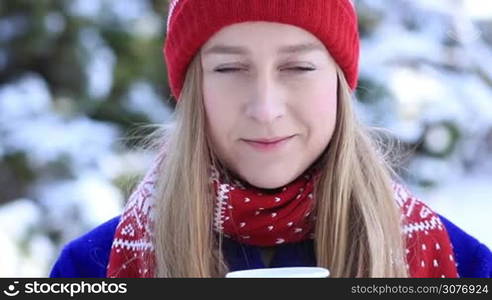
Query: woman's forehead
243	38
219	48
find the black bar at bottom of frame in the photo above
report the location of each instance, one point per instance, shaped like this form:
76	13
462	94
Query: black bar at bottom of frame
89	288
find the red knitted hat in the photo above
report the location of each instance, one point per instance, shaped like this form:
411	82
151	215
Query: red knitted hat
192	22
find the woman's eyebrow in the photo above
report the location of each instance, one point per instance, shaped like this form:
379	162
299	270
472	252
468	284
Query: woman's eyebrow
295	49
239	50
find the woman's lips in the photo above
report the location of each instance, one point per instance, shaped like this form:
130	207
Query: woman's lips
275	144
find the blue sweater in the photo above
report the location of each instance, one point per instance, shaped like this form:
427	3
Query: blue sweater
88	255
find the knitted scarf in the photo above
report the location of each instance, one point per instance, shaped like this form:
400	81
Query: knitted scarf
265	218
286	215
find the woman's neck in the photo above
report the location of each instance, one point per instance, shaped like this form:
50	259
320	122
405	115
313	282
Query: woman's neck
267	255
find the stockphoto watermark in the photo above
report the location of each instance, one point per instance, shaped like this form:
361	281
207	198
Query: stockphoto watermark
68	288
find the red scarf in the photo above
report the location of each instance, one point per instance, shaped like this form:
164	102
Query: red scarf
257	217
429	250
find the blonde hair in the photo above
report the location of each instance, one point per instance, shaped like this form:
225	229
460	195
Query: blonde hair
358	229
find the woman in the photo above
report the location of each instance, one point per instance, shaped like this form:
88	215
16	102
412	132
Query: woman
266	164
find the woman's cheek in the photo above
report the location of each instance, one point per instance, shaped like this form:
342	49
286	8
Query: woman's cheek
324	95
322	112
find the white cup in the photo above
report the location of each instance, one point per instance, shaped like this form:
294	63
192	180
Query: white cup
285	272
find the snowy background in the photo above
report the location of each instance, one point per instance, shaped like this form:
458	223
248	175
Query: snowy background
78	78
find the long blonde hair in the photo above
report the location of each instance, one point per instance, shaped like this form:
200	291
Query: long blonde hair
358	229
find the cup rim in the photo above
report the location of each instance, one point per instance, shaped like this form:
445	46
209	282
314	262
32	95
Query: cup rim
281	272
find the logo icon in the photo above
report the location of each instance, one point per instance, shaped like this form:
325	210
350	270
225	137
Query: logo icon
11	290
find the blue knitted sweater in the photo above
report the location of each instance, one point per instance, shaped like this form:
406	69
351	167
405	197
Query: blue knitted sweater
88	255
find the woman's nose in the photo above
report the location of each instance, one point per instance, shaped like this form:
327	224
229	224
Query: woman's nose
267	102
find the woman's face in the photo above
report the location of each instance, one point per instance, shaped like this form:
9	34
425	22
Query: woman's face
264	81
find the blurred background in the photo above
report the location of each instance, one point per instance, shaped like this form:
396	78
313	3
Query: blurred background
79	79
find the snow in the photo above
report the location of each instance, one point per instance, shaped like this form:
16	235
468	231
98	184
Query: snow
428	82
85	8
91	198
100	63
29	124
148	26
22	212
27	97
134	16
54	23
144	99
114	165
467	202
129	10
10	256
478	9
411	63
407	131
46	139
438	139
25	249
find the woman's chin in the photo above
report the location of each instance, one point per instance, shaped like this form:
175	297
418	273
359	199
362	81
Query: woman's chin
269	183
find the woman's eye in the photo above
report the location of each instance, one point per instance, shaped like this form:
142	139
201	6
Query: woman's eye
301	69
227	70
294	69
